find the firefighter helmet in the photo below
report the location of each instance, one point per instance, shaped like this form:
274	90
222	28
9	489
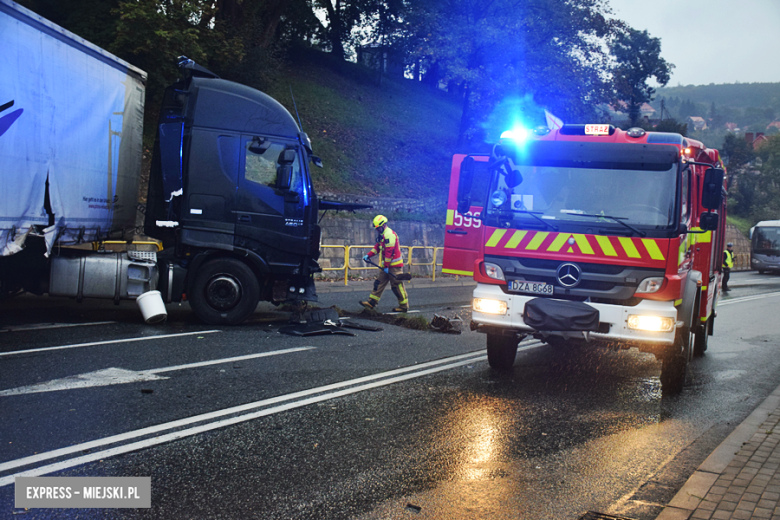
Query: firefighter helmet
380	220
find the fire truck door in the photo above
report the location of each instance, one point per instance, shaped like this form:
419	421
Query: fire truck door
464	231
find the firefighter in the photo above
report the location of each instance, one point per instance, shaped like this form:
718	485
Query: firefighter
728	264
388	248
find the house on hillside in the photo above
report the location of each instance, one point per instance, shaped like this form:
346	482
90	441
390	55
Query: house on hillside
773	124
696	123
732	127
755	140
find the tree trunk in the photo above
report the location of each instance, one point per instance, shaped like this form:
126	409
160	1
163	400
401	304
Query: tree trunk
465	118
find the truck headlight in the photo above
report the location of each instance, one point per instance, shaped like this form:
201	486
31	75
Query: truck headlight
494	271
650	285
650	323
488	306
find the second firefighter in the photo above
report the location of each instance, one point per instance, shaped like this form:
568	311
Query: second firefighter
391	263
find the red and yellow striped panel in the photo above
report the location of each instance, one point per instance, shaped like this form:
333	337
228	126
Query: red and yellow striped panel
637	251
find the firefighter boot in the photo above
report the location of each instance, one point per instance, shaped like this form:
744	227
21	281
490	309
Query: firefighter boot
368	304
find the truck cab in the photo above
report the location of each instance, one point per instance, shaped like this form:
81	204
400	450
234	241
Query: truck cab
231	198
590	235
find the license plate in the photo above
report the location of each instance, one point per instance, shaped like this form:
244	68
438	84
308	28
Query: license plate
530	287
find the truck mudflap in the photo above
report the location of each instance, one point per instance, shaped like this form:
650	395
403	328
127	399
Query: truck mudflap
545	314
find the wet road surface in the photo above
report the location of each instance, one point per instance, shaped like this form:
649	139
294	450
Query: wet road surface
391	424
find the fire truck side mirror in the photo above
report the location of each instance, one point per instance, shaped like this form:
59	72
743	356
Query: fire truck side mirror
709	221
712	190
465	182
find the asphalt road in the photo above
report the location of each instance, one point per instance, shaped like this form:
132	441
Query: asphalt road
245	422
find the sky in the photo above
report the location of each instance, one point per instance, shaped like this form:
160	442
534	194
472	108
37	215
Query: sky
711	41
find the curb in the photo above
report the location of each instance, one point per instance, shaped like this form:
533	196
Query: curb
698	485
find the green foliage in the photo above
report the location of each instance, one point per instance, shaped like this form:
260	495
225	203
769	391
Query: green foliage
394	140
754	192
672	126
742	224
487	51
638	59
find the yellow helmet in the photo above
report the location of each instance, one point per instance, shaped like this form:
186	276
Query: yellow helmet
380	220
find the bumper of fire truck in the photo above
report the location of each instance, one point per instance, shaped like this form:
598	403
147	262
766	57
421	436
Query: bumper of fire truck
613	319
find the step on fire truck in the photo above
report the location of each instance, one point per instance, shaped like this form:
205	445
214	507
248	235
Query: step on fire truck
589	234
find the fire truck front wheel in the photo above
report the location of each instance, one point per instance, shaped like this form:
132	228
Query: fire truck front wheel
675	362
501	351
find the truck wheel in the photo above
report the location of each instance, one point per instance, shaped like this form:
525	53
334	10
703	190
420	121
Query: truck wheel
701	339
675	362
225	292
501	351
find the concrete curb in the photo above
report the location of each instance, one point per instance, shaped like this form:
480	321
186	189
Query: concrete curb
682	506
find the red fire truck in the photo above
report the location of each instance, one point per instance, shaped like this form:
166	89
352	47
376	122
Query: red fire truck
589	234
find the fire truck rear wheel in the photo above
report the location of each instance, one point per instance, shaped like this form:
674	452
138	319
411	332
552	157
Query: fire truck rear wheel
501	351
675	362
225	292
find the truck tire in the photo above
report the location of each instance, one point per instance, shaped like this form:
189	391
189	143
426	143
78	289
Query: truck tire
501	351
701	338
675	362
225	291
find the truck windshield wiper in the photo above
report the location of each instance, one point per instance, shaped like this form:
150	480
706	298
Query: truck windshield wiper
619	220
535	214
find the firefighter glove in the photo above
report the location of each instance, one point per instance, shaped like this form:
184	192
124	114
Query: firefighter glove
365	258
387	270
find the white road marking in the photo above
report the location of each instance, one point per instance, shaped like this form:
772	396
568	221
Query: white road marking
118	376
44	326
326	392
108	342
748	298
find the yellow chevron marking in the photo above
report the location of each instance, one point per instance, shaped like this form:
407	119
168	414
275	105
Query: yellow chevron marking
517	237
629	248
652	248
570	250
495	238
537	240
450	217
558	243
583	244
677	303
606	245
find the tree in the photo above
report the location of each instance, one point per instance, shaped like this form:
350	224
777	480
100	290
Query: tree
343	16
487	51
638	58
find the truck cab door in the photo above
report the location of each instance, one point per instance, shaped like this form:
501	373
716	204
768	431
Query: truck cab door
463	236
269	212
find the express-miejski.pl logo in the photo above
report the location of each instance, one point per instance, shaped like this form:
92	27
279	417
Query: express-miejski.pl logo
7	120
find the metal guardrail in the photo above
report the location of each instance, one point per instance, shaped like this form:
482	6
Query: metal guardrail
409	256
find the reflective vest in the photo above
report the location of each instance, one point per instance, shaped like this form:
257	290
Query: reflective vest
728	259
388	248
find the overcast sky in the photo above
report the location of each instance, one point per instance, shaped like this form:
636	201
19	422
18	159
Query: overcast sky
711	41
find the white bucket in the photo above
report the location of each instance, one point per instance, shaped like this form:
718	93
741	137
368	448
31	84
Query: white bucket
152	306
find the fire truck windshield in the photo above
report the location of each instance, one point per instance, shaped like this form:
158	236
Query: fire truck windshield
639	198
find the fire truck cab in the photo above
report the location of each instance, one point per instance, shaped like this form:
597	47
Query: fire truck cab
591	235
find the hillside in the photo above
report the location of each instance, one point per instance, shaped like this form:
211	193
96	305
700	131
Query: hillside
738	95
393	140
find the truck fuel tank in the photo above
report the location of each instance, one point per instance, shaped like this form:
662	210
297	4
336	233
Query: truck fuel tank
115	275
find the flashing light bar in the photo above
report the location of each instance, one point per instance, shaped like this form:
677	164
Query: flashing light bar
518	134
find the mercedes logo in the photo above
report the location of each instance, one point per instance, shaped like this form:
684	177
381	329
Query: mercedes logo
569	275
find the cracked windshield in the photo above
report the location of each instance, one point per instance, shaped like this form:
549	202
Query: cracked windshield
636	197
